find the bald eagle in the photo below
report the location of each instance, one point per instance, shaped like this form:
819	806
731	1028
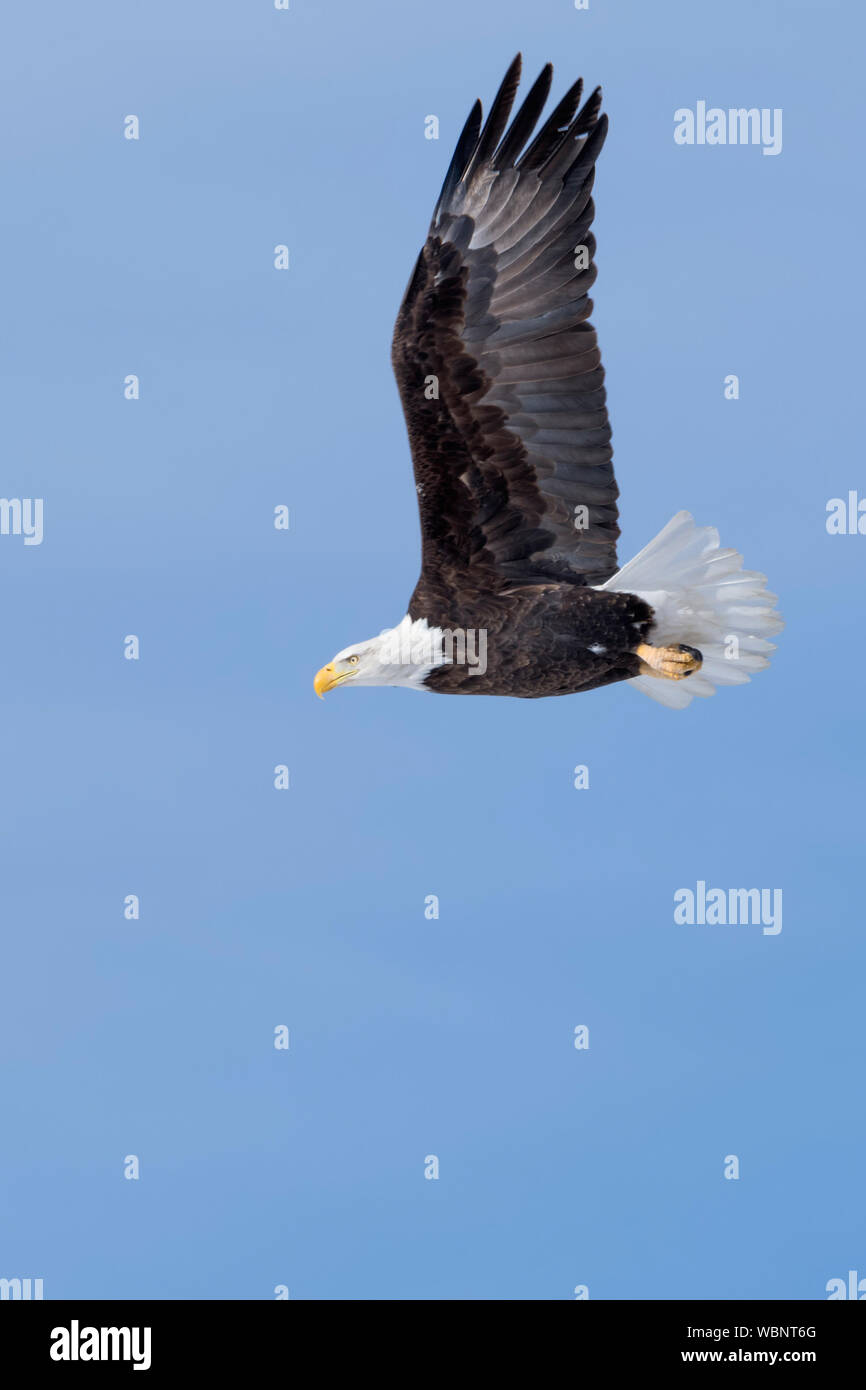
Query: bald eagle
502	387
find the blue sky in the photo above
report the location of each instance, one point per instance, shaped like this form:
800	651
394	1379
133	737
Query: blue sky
410	1037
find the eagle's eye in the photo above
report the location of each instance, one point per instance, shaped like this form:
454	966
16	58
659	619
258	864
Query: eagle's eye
353	660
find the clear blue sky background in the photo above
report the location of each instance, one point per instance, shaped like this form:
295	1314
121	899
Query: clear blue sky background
306	908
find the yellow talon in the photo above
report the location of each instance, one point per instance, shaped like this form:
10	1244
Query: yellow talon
669	663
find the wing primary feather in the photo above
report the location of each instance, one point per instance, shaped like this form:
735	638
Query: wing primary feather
497	118
562	156
459	160
587	153
554	130
524	122
588	114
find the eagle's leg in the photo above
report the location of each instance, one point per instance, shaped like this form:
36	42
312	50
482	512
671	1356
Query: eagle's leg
670	663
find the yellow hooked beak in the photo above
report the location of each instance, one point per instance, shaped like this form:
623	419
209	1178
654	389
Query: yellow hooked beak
327	678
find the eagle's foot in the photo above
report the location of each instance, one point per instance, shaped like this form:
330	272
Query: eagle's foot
669	663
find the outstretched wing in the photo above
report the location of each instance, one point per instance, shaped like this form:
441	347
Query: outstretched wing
498	367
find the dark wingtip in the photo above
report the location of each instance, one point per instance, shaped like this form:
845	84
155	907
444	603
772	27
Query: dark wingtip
588	113
497	118
461	156
554	130
524	122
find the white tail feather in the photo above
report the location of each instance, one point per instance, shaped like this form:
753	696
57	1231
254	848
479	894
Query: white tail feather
703	597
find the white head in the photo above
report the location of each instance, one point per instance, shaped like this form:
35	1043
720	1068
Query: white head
401	655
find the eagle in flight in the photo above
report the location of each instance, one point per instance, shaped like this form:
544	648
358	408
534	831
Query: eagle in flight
502	386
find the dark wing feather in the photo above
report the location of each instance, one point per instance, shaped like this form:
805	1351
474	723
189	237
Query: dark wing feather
498	367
